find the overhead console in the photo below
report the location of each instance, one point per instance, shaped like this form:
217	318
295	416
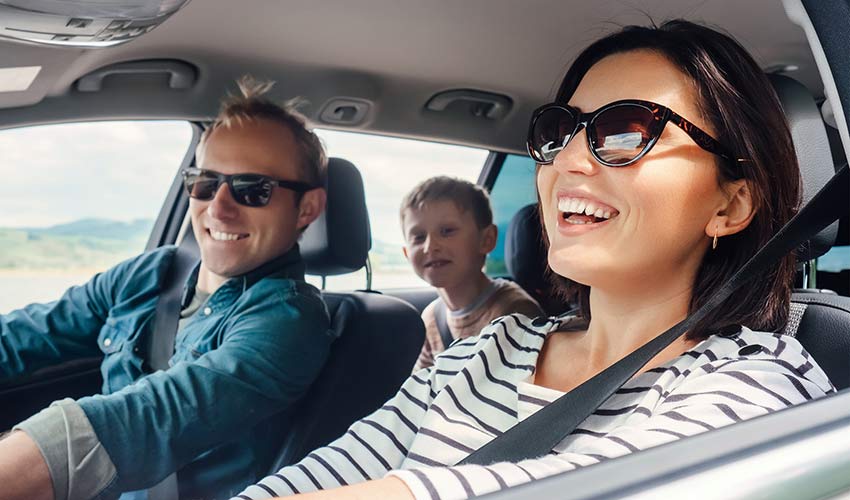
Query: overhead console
82	23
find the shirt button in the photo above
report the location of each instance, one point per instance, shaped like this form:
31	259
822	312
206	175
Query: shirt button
207	311
750	349
107	342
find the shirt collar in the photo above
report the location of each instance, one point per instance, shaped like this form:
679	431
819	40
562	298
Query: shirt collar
286	266
289	265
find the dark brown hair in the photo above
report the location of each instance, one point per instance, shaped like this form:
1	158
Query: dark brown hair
253	105
466	195
736	97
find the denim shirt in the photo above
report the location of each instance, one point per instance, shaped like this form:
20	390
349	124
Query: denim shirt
217	414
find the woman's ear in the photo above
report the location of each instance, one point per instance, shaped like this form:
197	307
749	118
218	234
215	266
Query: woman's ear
736	213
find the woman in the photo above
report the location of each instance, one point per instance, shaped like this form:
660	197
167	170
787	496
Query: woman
689	169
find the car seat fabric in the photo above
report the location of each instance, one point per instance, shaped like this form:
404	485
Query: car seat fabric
822	325
338	242
811	144
819	319
379	336
525	258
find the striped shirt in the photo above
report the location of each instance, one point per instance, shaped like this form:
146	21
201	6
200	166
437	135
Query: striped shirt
478	389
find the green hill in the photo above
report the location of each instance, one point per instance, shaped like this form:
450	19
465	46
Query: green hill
82	244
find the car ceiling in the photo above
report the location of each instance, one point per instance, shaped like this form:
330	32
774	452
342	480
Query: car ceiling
395	54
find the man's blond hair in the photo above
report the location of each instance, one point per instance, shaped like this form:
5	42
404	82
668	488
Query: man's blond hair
252	105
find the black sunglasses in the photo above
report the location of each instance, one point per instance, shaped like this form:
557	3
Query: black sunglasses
251	190
618	134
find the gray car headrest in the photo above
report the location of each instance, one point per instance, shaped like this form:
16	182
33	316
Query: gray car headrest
525	252
338	242
811	143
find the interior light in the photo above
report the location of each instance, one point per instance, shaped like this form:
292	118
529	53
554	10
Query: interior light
17	79
83	23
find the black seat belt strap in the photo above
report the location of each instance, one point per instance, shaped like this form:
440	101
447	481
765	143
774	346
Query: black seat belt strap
538	434
168	306
161	342
441	317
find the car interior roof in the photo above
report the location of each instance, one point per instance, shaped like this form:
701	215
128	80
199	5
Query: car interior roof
396	55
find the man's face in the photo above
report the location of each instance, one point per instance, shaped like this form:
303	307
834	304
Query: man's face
234	238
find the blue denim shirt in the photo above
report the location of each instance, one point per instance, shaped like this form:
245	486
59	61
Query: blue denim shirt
219	411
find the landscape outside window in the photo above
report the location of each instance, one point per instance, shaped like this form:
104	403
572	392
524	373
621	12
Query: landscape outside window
78	198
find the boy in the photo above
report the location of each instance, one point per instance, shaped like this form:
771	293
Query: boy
448	231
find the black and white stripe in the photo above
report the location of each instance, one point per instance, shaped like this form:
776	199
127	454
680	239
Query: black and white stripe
479	389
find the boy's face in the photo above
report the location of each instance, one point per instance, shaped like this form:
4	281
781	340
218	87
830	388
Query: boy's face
444	244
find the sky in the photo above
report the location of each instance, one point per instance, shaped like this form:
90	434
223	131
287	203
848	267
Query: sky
59	173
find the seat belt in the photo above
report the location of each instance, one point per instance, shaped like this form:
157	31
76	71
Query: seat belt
168	306
441	316
161	342
538	434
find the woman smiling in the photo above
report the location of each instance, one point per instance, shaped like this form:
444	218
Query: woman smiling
664	164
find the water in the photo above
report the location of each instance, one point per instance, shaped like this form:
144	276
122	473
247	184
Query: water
19	288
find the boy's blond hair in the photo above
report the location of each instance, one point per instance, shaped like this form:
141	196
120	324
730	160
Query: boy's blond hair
466	195
251	105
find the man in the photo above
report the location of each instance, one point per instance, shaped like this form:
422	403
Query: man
250	341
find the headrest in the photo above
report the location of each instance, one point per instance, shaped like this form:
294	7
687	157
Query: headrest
812	145
525	253
338	242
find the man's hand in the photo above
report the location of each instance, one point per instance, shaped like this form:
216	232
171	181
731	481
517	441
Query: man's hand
23	471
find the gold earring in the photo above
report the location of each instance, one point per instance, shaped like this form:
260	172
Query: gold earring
714	243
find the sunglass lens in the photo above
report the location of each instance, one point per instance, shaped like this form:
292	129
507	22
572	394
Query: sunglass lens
550	133
201	185
622	133
251	190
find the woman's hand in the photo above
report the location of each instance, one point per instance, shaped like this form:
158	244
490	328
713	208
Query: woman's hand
389	488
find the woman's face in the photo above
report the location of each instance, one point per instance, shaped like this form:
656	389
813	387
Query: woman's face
660	207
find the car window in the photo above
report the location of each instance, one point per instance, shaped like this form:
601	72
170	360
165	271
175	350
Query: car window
390	168
514	188
78	198
837	259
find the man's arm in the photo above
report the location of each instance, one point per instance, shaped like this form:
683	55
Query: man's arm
41	335
23	472
270	356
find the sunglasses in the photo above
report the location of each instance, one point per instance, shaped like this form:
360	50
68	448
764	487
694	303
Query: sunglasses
250	190
618	134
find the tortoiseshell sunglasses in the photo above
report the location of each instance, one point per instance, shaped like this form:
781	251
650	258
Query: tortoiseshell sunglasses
618	134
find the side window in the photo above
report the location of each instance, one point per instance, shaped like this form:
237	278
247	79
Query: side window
514	188
78	198
391	167
833	268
